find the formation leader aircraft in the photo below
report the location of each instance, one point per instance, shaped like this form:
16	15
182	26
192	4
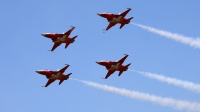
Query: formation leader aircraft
55	75
113	19
58	39
112	66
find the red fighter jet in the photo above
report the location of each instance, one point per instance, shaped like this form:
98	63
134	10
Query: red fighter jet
54	75
113	19
114	66
58	39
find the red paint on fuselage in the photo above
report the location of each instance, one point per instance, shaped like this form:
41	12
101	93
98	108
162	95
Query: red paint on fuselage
53	74
114	19
112	65
58	39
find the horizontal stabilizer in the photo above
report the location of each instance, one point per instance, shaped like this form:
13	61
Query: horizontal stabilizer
69	74
75	36
128	65
130	18
122	25
61	81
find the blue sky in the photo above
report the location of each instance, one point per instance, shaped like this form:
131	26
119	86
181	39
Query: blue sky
24	50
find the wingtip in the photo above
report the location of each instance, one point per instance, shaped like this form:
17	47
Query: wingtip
67	64
103	78
129	8
126	54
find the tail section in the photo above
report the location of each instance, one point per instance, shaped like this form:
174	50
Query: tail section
127	22
126	68
130	18
74	37
128	65
66	77
69	75
71	41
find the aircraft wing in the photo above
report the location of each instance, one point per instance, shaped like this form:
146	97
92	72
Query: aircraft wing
110	25
69	31
123	59
63	69
49	82
55	46
109	73
125	12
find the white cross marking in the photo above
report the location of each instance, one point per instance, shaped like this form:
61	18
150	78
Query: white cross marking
60	39
116	19
114	66
55	75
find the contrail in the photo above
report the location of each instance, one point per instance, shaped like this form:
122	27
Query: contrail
184	84
180	38
177	104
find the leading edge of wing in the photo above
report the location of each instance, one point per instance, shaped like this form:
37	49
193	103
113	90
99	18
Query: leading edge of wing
110	25
109	73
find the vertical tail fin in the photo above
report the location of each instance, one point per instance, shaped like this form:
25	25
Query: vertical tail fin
127	22
66	77
126	67
73	39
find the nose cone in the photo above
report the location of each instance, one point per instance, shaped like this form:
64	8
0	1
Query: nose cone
99	14
43	34
97	62
38	71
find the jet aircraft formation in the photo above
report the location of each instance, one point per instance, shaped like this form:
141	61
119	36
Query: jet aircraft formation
58	39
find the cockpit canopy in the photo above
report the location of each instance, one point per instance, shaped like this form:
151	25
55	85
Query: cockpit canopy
104	61
48	33
105	13
44	70
102	13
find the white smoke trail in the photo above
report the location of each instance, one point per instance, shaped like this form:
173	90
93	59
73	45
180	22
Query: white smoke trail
177	104
183	39
184	84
